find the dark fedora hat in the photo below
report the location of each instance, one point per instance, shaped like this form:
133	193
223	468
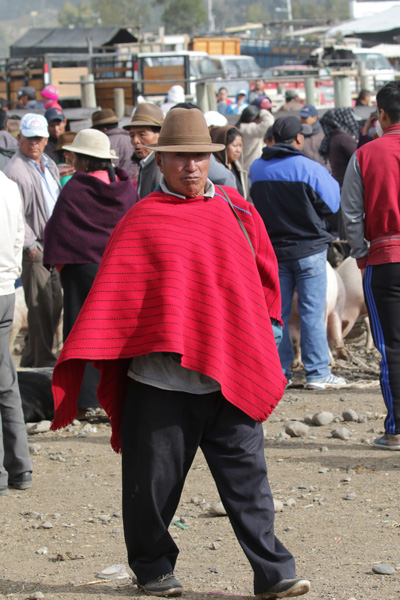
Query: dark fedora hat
185	131
106	116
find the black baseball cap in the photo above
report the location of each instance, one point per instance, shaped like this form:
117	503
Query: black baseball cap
285	129
27	90
54	114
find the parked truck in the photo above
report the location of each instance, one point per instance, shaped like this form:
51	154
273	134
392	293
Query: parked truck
146	73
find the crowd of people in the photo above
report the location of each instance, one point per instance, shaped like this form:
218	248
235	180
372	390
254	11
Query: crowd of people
174	246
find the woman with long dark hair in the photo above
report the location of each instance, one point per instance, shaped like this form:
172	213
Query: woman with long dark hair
230	156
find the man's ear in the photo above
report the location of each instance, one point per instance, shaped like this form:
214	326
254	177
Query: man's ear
159	160
384	119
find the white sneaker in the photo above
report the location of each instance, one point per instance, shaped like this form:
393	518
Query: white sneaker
328	382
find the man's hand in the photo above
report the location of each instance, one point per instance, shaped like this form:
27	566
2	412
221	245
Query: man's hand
362	273
32	253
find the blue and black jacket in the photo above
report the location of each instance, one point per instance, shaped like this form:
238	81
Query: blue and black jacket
293	195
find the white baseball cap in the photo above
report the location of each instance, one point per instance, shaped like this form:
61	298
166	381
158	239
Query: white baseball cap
33	126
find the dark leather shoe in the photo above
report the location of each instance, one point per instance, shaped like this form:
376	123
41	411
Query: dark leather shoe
23	481
165	585
286	588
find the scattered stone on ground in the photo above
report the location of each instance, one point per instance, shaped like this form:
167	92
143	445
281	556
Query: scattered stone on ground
296	429
350	415
342	433
383	569
322	418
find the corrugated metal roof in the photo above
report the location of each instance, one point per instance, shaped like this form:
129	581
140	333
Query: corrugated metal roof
384	21
65	38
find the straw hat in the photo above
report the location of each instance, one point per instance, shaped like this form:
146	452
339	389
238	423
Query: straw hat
65	139
91	142
185	130
106	116
147	115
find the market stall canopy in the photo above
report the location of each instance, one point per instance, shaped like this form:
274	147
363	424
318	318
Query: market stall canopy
43	40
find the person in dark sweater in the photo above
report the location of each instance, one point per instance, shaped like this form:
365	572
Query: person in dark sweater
294	195
56	125
312	142
88	208
341	138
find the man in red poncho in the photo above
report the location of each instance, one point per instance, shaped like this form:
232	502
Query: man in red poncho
178	321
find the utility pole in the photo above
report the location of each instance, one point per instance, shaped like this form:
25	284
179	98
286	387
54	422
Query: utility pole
290	17
210	17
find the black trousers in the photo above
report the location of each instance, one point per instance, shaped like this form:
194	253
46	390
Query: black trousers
77	281
161	433
382	297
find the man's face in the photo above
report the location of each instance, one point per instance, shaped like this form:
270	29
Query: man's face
185	172
222	95
142	136
308	120
241	98
365	101
260	85
32	147
56	127
22	101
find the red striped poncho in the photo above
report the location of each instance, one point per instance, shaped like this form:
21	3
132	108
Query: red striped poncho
178	275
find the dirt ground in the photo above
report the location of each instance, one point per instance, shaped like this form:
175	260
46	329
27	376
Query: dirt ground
340	513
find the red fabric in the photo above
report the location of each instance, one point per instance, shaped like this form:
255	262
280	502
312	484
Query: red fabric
103	176
379	162
178	275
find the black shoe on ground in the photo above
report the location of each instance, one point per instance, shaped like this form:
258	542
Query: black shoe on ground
165	585
21	482
286	588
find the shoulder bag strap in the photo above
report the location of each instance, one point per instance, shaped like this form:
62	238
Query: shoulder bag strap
242	227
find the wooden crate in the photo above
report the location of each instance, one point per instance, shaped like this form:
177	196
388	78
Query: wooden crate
154	77
105	92
67	81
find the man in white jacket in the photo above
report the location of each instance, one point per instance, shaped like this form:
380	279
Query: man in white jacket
15	464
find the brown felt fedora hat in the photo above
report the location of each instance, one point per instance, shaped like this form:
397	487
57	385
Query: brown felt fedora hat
185	130
106	116
147	115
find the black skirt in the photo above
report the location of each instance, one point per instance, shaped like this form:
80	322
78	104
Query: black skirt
76	281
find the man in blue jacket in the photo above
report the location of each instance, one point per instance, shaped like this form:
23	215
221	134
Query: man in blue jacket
294	195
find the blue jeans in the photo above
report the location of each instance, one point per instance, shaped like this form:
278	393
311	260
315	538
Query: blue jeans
308	275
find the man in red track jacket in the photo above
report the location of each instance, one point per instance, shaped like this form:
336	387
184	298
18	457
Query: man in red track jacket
371	215
178	321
